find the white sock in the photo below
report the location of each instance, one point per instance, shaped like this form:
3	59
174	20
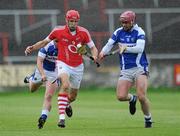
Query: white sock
148	117
46	112
61	116
131	97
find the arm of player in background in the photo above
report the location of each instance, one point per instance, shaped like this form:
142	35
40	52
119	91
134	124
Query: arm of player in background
40	67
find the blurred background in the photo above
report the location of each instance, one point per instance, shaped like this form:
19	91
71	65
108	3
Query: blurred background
24	22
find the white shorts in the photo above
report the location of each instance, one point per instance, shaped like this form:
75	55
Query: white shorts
75	73
132	73
50	75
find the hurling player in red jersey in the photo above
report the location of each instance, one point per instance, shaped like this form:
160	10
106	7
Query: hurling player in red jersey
69	62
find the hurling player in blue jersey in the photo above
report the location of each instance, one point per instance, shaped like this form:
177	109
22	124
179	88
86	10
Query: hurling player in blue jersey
45	72
133	64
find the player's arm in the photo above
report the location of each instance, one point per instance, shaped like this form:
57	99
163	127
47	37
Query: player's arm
107	48
94	52
139	48
37	46
40	67
40	59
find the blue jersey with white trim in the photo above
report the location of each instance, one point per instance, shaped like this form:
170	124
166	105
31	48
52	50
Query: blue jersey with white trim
49	53
129	38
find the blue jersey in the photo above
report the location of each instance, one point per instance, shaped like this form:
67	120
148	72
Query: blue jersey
129	38
49	53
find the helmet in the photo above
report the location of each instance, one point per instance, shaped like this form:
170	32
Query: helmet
128	16
72	15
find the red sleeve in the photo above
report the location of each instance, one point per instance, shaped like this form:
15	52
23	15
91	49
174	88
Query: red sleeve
86	35
53	34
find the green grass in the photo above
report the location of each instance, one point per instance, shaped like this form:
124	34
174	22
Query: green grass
96	113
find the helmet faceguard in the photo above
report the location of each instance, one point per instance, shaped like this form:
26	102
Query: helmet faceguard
128	17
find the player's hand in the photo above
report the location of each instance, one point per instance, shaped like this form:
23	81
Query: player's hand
122	48
28	50
44	78
101	55
81	49
95	58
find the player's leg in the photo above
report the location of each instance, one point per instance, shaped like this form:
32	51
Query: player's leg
75	81
70	78
123	87
141	86
63	98
34	81
50	90
122	92
33	86
124	84
71	97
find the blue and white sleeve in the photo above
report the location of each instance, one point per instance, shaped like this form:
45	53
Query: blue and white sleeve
139	48
140	43
42	53
109	45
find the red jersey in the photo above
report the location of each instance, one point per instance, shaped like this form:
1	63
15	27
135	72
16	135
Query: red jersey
67	44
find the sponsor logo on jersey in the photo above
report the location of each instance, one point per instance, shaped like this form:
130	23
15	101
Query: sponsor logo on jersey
63	39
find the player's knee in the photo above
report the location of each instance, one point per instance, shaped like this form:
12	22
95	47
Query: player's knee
31	89
121	97
73	94
72	98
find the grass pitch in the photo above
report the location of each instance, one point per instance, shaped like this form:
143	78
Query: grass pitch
96	113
